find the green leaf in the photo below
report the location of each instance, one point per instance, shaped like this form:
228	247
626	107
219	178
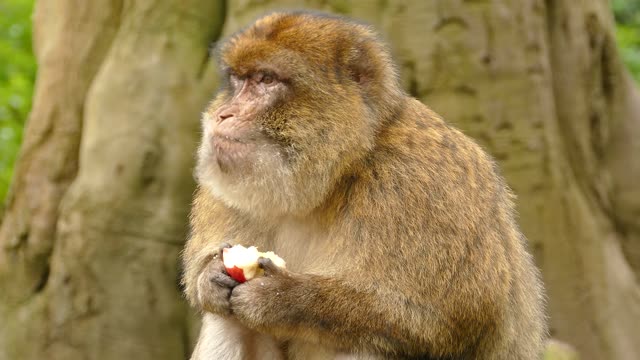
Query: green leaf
17	75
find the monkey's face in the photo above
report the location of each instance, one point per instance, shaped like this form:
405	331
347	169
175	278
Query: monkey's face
238	155
293	115
271	147
237	138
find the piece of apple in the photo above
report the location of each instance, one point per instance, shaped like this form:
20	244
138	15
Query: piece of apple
241	263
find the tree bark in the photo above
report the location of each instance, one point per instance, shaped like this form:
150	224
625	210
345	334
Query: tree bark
101	191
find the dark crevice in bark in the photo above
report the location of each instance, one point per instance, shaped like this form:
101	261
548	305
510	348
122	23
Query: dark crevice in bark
601	43
43	279
413	86
596	139
215	37
186	344
608	76
206	59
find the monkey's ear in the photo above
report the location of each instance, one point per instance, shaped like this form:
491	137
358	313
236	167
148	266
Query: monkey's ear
361	67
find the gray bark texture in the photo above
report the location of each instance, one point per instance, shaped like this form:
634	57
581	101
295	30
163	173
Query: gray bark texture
90	239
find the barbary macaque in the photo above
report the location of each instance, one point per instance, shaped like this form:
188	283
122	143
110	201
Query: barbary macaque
398	232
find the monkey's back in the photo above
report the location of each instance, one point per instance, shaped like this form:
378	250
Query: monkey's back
463	257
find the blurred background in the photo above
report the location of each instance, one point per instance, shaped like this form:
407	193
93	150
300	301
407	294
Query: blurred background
99	120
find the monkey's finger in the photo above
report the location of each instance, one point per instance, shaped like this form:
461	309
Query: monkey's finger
224	245
223	279
269	267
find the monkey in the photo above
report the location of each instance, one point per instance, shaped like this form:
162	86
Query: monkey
398	230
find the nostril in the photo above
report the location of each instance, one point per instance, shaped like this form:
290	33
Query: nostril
224	116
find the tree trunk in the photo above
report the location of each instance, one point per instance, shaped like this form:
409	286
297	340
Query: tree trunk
101	191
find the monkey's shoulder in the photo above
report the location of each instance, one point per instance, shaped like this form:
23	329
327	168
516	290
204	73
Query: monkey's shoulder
420	145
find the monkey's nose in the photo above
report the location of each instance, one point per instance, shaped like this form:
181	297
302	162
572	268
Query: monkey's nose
224	116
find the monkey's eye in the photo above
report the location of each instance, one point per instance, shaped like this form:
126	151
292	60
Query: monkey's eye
267	79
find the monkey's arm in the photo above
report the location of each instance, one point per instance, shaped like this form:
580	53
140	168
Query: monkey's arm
339	314
213	226
203	275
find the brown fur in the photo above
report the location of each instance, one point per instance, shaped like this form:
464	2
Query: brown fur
398	231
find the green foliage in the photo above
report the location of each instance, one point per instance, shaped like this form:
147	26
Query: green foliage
17	74
627	13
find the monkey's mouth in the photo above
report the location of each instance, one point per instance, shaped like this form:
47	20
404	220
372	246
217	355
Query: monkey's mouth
230	152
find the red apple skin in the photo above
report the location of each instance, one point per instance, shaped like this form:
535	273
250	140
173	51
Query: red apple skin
236	273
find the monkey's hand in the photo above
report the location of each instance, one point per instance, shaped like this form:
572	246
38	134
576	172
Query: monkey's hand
214	285
255	302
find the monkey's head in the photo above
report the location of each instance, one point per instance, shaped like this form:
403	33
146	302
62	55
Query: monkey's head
303	98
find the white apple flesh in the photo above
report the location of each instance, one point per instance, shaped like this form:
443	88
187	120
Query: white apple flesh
241	263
